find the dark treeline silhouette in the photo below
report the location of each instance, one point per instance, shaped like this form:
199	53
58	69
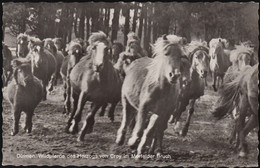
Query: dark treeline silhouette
234	21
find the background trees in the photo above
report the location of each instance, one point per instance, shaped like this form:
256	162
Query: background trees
237	21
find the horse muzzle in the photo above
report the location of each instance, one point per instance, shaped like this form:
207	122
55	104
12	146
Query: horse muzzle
98	68
174	77
203	74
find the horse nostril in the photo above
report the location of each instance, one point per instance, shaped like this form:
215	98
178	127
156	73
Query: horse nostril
171	74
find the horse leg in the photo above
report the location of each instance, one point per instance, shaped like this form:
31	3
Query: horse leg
51	82
251	124
44	97
67	103
28	122
74	102
214	81
187	123
16	118
240	125
205	79
147	133
127	111
111	111
139	126
159	136
89	122
65	99
77	117
101	114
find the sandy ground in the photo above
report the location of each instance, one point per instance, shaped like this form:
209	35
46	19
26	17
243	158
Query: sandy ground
205	145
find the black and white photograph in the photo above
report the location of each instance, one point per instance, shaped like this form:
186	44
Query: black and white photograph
130	84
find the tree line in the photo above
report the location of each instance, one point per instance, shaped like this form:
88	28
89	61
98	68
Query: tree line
234	21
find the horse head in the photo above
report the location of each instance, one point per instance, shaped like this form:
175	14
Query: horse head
168	50
216	47
133	44
22	45
200	61
36	51
49	44
58	43
75	51
242	56
117	48
22	72
99	50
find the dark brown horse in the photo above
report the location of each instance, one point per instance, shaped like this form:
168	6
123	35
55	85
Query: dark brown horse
93	79
49	44
198	56
117	48
22	45
24	94
74	55
7	68
241	93
219	61
149	94
43	64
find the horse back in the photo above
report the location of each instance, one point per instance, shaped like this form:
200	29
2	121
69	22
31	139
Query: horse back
134	80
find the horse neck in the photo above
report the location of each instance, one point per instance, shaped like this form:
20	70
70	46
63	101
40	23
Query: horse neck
156	72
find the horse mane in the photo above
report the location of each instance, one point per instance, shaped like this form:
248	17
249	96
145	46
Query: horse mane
194	46
240	49
98	37
163	42
132	37
23	36
158	49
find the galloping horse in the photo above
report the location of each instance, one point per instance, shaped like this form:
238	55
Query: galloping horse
49	44
22	45
74	55
241	57
117	48
241	93
150	91
7	68
43	63
198	56
93	79
219	61
133	51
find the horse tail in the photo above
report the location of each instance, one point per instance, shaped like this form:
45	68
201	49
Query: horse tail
229	96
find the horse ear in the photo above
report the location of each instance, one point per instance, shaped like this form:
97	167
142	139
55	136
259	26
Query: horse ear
204	43
164	37
219	39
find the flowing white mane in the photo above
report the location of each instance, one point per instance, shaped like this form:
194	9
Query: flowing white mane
240	49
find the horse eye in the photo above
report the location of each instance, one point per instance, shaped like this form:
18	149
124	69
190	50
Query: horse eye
94	47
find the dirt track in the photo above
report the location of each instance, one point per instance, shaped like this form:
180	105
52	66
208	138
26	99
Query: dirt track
205	145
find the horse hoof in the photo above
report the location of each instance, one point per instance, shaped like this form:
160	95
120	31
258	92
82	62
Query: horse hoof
120	141
183	133
132	143
80	139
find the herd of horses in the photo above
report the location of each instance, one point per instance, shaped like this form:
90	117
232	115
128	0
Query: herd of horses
153	89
